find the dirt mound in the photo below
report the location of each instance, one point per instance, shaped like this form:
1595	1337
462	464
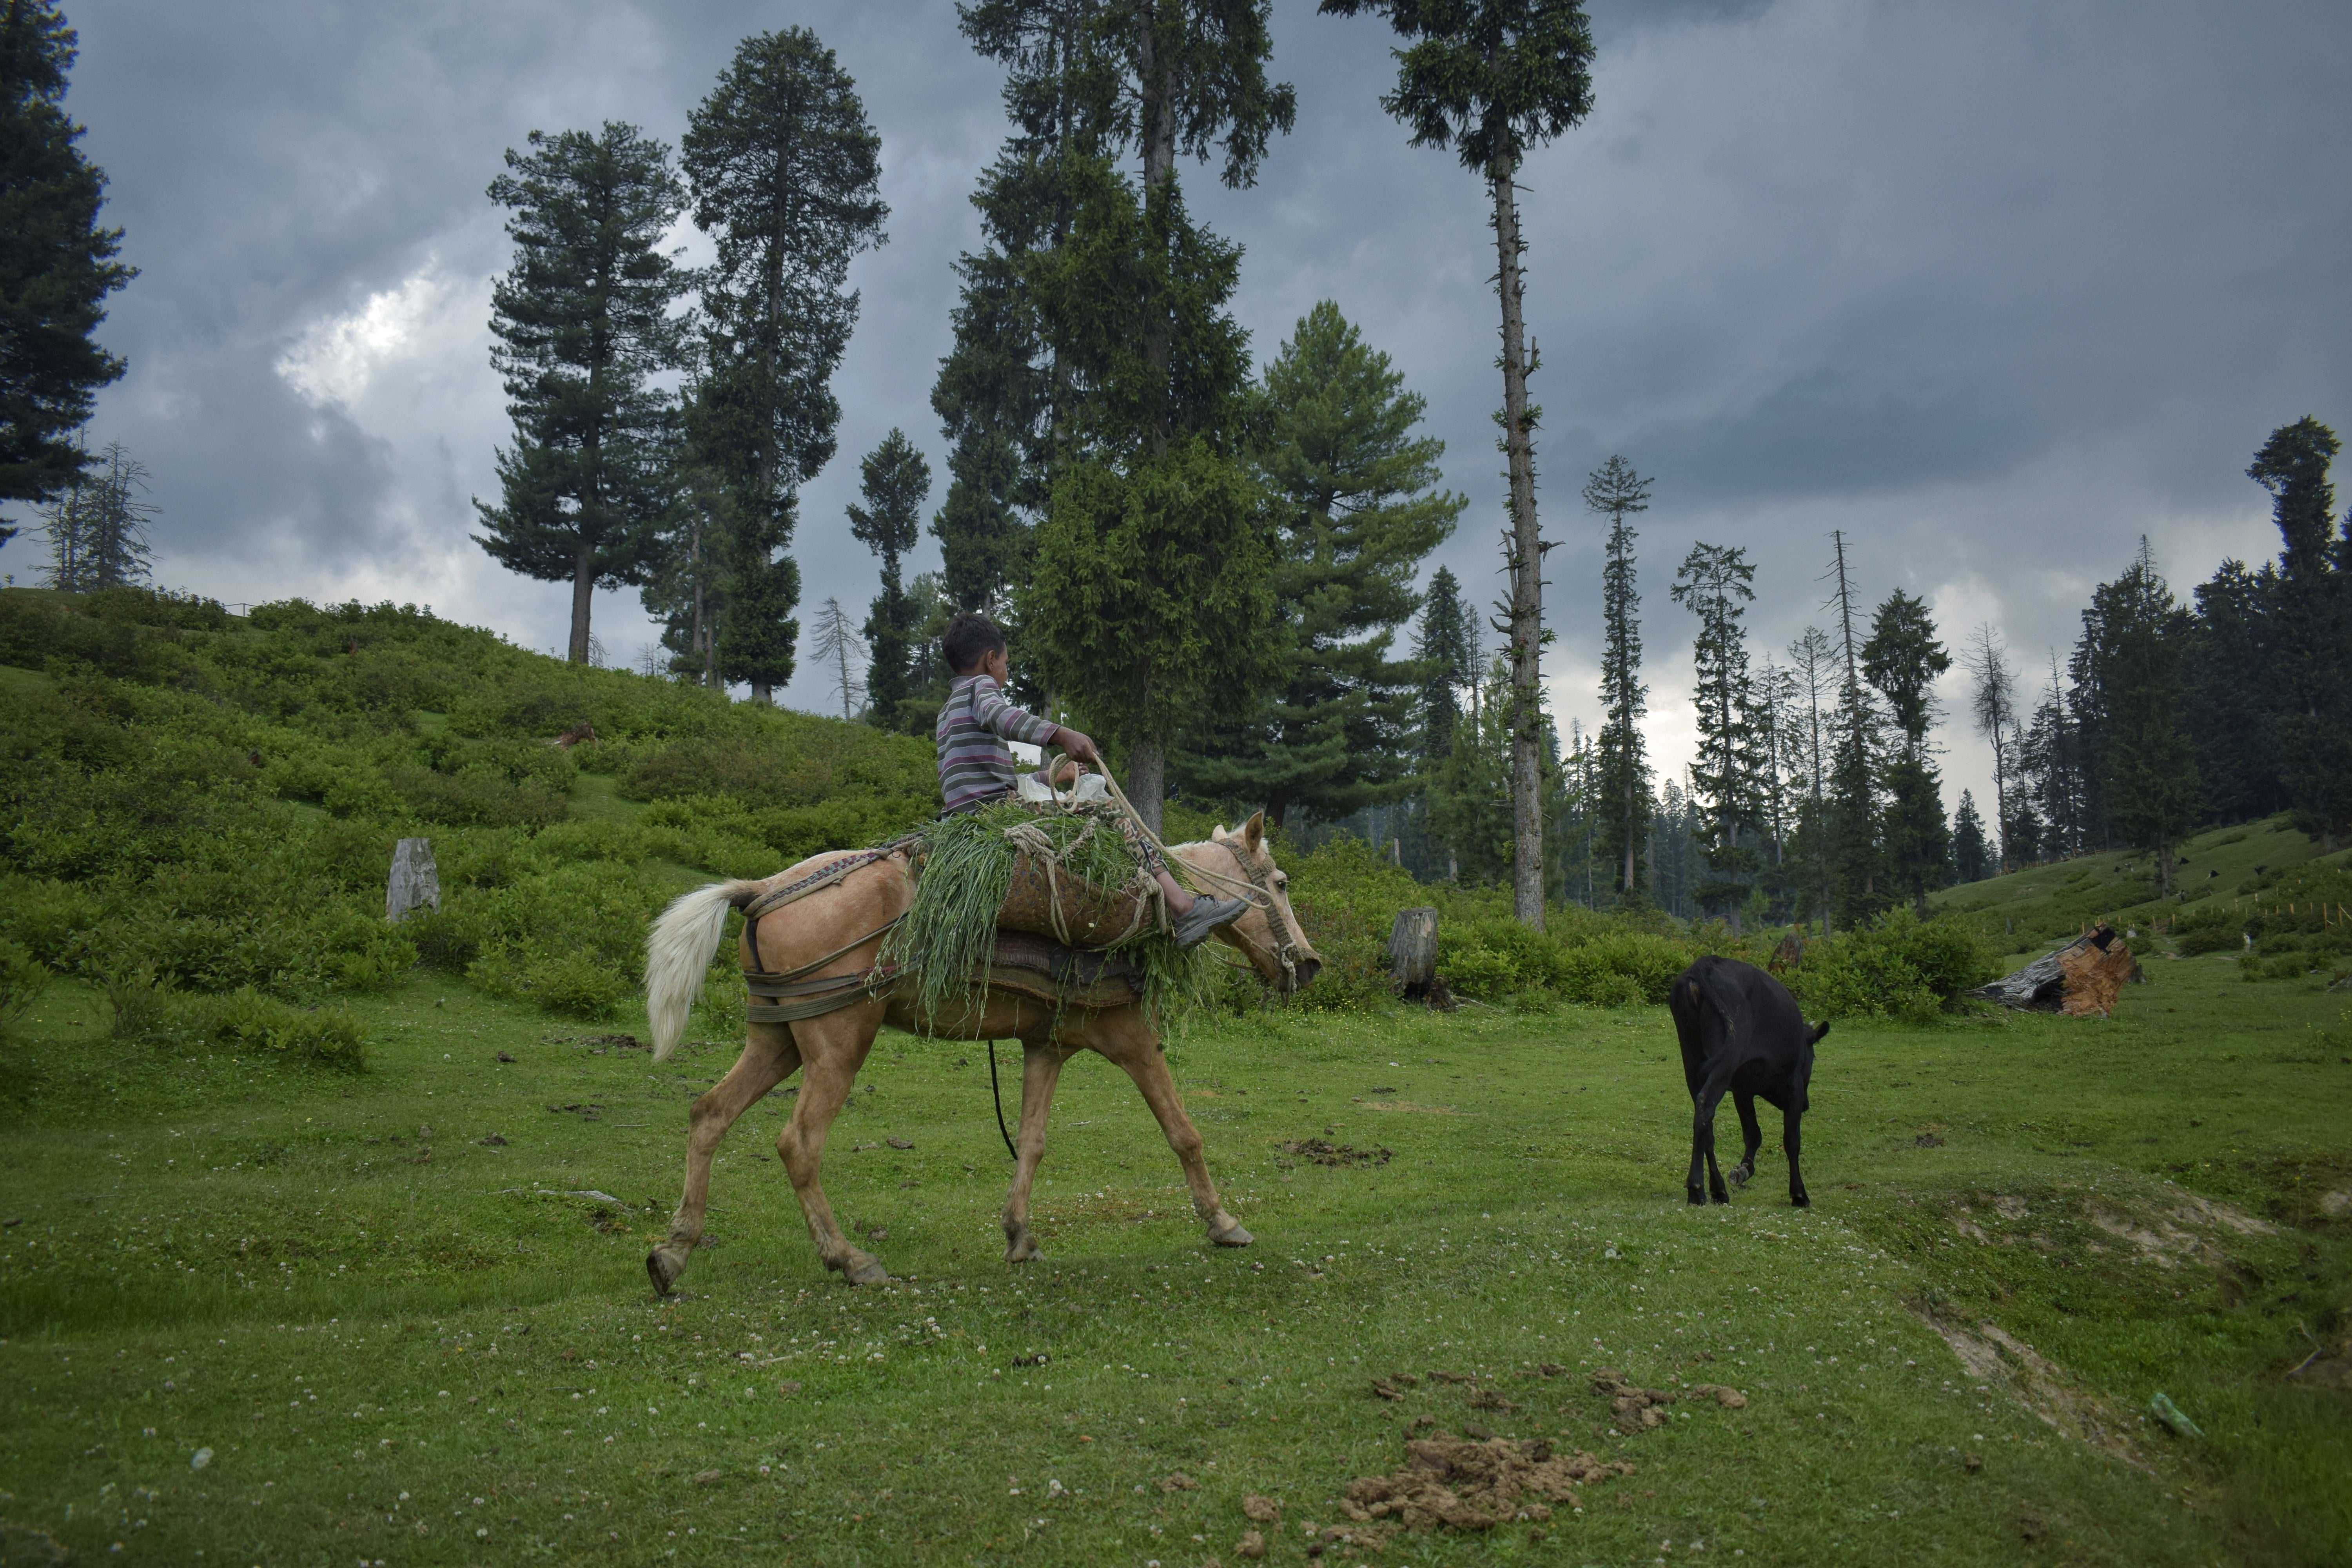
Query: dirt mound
1996	1359
1451	1484
1318	1152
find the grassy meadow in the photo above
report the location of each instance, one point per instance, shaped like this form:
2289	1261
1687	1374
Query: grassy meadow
322	1239
376	1309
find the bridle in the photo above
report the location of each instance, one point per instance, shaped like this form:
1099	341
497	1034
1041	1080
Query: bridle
1286	950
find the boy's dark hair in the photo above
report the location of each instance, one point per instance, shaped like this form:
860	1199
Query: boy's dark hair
970	637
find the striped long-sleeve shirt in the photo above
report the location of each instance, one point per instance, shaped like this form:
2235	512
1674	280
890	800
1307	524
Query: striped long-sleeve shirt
975	767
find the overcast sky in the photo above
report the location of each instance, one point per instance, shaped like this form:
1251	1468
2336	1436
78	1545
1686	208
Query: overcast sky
1996	288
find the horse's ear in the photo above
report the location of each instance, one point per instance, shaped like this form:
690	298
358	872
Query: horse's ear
1217	834
1253	832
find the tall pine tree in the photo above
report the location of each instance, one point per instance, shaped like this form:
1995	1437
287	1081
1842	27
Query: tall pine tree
1356	508
2134	637
896	481
1622	790
57	263
1712	585
2232	693
1853	826
1443	645
2311	660
583	326
1971	855
1490	81
1903	659
786	174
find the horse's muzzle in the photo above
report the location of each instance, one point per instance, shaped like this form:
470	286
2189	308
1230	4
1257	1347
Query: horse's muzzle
1307	969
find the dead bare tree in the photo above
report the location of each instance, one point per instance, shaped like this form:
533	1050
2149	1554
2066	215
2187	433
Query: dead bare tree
837	643
1992	701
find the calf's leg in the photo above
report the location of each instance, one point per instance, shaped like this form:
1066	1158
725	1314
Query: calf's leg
1703	1145
769	1057
1789	1140
1751	1138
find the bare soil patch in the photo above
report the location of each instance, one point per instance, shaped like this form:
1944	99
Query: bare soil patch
1453	1483
1319	1152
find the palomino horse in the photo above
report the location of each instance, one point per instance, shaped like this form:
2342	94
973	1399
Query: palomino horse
832	1047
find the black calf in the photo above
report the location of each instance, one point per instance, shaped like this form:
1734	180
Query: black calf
1741	1031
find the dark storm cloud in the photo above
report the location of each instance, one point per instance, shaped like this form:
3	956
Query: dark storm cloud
1994	289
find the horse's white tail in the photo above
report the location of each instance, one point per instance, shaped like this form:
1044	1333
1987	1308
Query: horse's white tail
677	955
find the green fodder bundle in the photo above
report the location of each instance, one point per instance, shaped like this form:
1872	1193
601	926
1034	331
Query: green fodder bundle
964	872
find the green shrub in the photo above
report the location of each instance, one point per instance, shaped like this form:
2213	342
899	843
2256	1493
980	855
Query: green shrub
244	1019
1898	966
23	978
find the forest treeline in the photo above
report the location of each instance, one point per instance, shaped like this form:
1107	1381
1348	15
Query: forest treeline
1212	558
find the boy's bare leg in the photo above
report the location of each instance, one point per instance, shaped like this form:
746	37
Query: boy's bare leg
1180	902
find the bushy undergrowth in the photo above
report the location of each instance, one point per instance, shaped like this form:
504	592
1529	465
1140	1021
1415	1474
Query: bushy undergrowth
211	802
1897	967
2282	924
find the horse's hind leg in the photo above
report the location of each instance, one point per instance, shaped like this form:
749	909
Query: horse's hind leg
1127	1039
1041	1069
832	1048
769	1057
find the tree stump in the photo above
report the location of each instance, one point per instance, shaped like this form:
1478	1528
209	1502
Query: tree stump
414	884
2083	976
1412	952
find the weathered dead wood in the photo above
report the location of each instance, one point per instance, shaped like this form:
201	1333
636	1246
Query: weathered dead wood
414	884
1412	952
2084	976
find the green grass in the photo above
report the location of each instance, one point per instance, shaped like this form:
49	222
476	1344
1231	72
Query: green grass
394	1341
2027	910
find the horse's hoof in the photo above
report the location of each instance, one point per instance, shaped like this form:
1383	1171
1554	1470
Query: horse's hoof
1233	1235
663	1270
1737	1179
1021	1248
865	1269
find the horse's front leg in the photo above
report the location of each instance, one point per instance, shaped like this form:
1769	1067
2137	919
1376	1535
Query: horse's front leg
833	1047
769	1057
1041	1069
1125	1038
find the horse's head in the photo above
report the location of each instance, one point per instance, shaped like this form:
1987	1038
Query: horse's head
1268	935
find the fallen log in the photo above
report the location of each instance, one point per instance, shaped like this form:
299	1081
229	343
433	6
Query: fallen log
2084	976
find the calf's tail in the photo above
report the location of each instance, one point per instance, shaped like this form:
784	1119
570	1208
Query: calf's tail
677	954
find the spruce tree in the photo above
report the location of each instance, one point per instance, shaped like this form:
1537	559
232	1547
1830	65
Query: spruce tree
98	528
2232	693
1993	703
1970	854
1356	508
1812	668
1623	804
896	481
1853	824
1001	395
1712	585
1490	80
2135	634
1903	659
582	325
1442	644
1148	595
2311	660
785	172
1469	792
57	263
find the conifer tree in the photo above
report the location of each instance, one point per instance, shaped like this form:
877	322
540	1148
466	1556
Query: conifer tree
836	644
1490	80
1712	585
1812	670
1356	508
1993	703
1970	854
2134	635
2232	692
1442	644
1853	826
582	325
1469	793
1903	659
98	528
2312	649
897	481
1149	596
57	264
785	172
1622	800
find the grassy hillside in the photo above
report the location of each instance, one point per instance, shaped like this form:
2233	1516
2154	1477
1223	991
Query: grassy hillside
2262	880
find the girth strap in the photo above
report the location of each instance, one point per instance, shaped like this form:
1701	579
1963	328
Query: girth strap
782	997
